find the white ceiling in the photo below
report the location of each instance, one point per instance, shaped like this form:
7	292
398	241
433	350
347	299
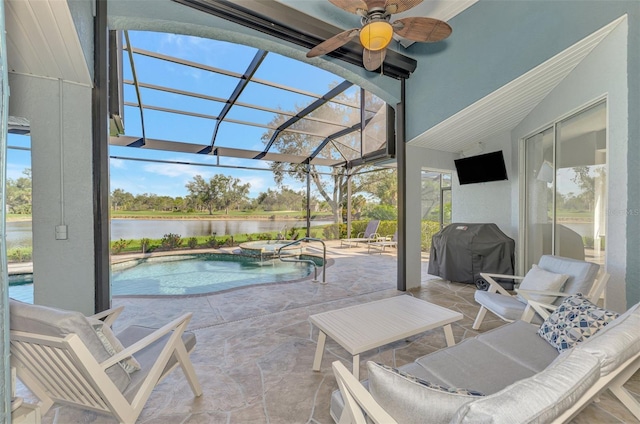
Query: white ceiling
506	107
42	40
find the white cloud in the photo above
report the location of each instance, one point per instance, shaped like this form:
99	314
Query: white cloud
176	170
118	163
258	183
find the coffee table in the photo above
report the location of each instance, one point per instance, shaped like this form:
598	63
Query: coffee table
364	327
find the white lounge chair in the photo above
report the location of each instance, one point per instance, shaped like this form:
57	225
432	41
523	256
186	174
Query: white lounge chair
369	235
580	277
61	356
380	245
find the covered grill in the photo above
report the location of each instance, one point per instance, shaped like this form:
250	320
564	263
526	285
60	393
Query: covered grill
460	252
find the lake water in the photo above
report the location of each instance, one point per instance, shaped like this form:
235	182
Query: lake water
19	233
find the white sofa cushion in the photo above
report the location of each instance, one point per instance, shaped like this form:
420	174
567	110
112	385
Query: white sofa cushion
619	343
537	399
575	320
408	401
581	274
539	279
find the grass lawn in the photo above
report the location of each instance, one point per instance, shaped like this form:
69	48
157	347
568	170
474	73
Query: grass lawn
205	215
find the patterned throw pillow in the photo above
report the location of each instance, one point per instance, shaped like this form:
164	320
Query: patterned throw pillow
575	320
431	385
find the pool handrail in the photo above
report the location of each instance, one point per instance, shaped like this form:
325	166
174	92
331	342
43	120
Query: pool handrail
315	267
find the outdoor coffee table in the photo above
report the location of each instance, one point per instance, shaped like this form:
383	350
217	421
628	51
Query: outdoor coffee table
364	327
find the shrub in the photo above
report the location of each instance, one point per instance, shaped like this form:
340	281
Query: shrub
171	241
211	241
120	245
587	241
383	213
192	242
145	244
429	228
331	232
19	254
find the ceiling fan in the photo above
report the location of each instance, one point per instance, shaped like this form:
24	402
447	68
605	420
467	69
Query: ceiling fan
377	32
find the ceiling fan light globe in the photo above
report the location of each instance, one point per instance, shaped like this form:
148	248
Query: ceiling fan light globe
376	35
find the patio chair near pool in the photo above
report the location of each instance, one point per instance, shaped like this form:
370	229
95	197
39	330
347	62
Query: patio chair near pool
67	358
380	245
370	235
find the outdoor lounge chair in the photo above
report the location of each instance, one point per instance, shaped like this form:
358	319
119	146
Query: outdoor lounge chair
382	244
548	282
62	356
370	234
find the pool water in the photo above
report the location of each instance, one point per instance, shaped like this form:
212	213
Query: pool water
186	275
201	273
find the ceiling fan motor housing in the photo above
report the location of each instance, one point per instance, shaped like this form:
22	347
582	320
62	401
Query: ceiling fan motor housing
377	32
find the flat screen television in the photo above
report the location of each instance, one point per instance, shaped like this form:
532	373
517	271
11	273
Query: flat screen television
481	168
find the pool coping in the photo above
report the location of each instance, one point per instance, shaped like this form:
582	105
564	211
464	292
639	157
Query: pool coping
228	250
330	261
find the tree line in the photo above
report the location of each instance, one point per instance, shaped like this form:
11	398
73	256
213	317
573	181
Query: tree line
374	196
219	193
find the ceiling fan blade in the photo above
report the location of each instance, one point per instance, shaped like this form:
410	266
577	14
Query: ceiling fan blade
351	6
372	60
333	43
397	6
376	4
426	30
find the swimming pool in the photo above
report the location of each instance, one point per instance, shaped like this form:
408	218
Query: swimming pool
201	273
194	274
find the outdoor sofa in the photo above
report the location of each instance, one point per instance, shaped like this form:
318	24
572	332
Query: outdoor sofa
507	375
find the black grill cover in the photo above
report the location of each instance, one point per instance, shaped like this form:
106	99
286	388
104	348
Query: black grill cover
460	252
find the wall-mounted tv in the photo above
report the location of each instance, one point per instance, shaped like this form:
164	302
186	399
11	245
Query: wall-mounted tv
481	168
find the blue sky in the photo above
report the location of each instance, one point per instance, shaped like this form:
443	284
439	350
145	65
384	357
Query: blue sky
169	179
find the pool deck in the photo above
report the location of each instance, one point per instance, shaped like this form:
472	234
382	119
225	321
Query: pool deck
27	267
256	347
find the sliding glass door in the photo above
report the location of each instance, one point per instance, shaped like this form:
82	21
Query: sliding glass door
565	188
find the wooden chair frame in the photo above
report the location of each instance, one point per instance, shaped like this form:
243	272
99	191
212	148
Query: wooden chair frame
63	370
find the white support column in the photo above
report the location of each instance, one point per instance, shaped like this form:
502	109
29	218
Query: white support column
413	216
62	188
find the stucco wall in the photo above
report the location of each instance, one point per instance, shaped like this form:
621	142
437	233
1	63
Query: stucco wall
603	73
63	269
494	42
489	202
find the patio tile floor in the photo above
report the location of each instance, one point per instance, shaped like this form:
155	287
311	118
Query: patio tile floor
256	346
